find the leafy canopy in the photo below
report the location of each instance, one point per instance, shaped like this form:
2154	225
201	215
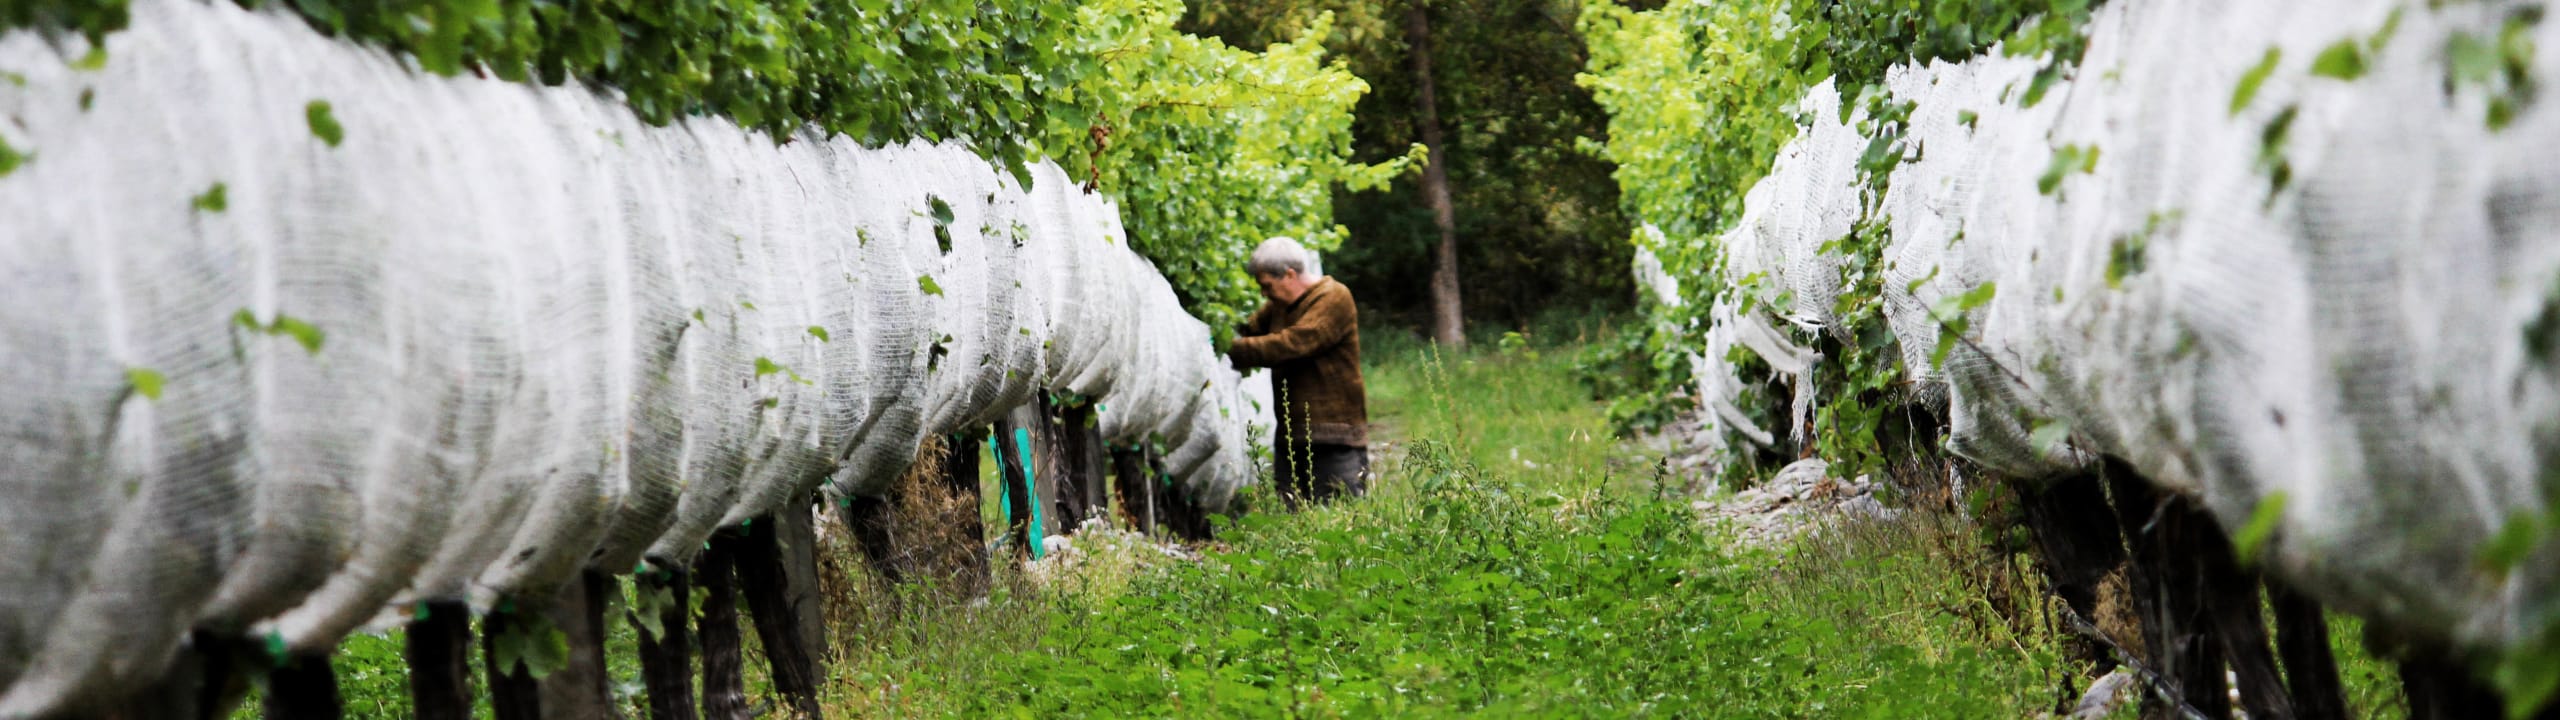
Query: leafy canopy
1209	149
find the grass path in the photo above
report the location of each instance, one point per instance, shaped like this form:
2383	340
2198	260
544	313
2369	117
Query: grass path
1512	561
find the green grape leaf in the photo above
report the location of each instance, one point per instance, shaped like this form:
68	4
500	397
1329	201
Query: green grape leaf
2513	541
649	604
942	214
2262	525
213	199
2529	675
146	381
302	332
2255	77
310	336
819	332
11	158
2125	258
2468	59
324	122
926	283
2050	436
2343	60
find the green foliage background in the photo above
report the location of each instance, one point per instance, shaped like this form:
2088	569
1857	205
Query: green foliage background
1208	148
1700	98
1539	223
1211	148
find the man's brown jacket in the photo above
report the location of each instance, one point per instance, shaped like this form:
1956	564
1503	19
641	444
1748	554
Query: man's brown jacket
1313	349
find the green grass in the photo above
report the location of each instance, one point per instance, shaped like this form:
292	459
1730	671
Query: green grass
1454	593
1467	584
1513	410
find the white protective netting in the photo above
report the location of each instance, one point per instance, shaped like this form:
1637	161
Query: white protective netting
500	333
2368	342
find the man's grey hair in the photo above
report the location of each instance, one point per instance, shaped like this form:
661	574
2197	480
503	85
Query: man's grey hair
1279	256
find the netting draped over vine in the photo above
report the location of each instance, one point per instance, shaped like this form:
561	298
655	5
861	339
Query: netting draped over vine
2297	260
297	337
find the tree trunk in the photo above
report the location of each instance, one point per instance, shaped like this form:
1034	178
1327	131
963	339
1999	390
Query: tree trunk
1022	516
304	687
2235	615
2169	592
439	654
583	689
1081	455
1448	324
1055	434
1173	511
960	475
870	521
794	665
2310	668
2077	544
666	660
724	684
194	686
1137	490
799	540
513	694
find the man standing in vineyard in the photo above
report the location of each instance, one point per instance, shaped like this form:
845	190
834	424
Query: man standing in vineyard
1309	335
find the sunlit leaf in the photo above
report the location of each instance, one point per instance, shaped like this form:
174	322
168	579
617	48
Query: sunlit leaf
2262	524
213	199
146	381
324	122
2343	60
2255	77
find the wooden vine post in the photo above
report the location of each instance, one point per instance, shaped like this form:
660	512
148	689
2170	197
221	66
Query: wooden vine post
513	693
1150	498
960	475
869	520
2234	614
724	685
204	681
439	655
1069	445
666	656
2311	668
2199	608
1023	519
304	687
1176	512
761	577
2168	594
1130	475
582	688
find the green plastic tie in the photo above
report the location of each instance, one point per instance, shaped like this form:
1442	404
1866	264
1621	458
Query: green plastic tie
275	648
